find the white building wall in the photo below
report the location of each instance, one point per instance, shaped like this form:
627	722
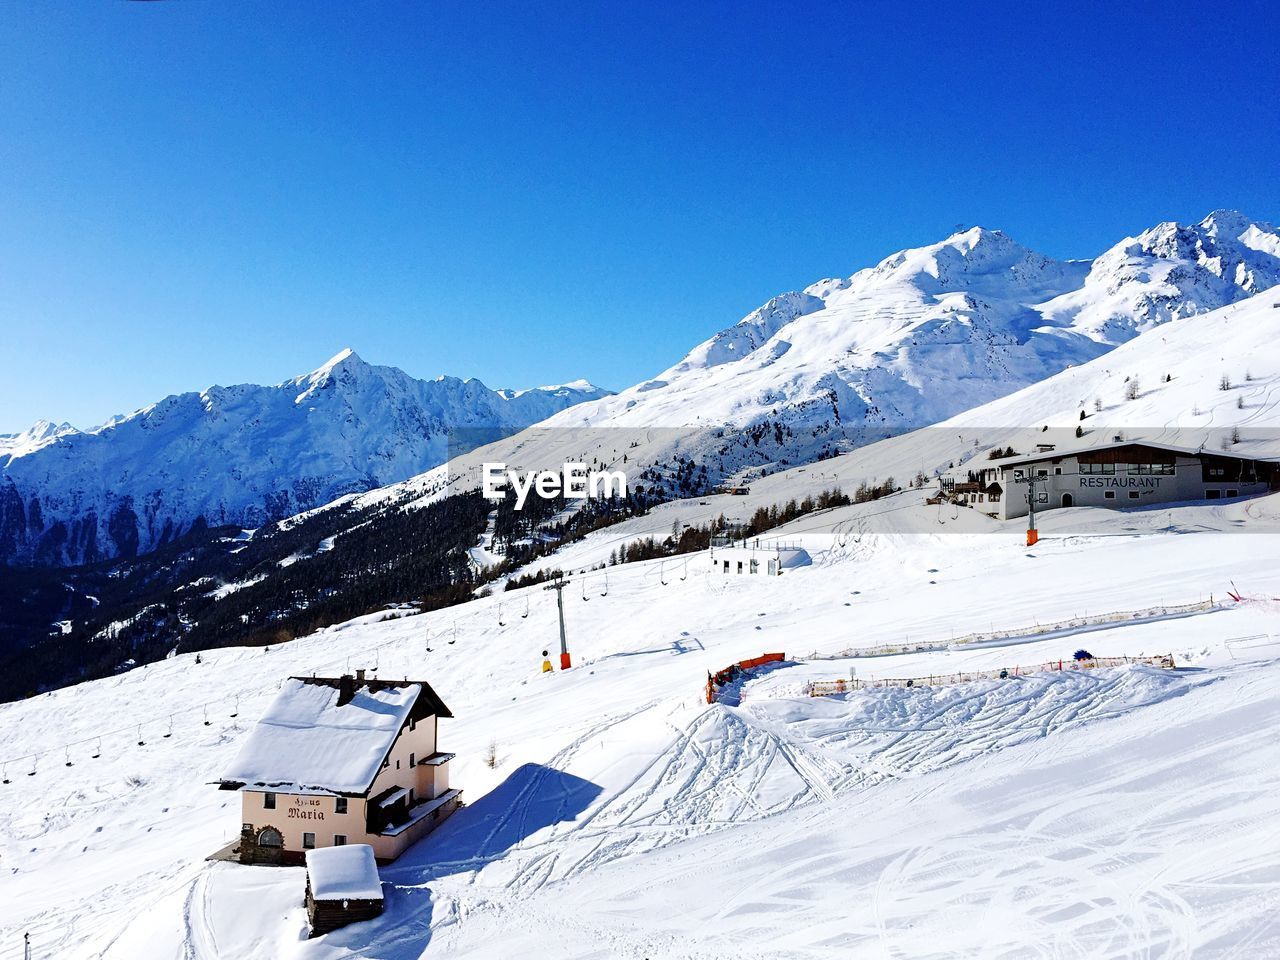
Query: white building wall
1124	488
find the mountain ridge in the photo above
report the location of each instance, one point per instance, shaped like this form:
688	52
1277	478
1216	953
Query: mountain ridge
243	454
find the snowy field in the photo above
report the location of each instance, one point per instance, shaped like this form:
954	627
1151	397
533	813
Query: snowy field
1118	813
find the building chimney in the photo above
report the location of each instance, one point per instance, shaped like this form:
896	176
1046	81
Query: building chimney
360	675
346	689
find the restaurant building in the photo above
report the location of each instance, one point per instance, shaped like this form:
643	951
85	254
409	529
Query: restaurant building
1121	474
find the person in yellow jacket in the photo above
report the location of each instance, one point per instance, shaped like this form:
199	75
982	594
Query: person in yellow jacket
546	663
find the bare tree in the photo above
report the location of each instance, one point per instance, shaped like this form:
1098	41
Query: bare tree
491	755
1133	389
1224	383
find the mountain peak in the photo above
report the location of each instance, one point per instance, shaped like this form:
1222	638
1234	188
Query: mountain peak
345	364
1226	222
344	357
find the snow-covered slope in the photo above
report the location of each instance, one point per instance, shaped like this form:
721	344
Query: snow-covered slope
242	455
1102	812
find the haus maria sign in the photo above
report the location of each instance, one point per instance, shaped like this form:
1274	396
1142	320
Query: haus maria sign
1119	481
303	808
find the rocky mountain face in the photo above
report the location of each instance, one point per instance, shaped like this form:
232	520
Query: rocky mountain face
241	455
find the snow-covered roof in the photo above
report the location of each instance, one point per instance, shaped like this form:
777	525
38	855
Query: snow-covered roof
1097	447
307	743
344	873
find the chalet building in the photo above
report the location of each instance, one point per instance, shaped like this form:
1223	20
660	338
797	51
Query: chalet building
1126	474
976	486
766	558
338	761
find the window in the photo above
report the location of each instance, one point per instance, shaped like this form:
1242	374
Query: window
397	764
1133	494
1233	493
268	801
1057	471
413	724
308	841
339	839
1110	494
1213	494
739	566
755	566
339	804
413	762
270	837
1106	468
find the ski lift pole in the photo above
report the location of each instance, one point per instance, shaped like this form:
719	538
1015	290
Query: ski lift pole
558	587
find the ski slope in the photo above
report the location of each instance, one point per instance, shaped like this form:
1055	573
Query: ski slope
1072	815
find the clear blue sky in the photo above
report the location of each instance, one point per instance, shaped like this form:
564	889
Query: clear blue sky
197	193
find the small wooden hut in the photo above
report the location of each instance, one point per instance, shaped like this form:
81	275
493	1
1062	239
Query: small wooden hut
342	887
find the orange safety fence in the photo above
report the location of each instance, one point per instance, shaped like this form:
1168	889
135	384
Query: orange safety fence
828	688
734	671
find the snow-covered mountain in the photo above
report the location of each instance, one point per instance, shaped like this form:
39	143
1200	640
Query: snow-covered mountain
242	455
933	331
923	336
